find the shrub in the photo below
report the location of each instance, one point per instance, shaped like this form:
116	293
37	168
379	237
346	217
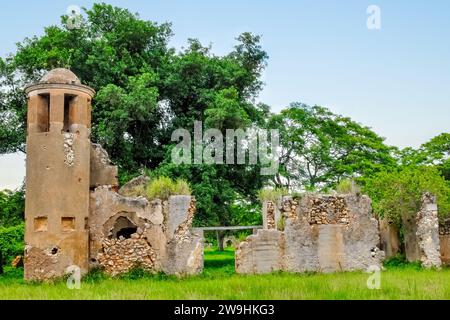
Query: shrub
182	187
164	187
281	223
272	194
399	261
137	191
348	186
11	242
12	207
398	193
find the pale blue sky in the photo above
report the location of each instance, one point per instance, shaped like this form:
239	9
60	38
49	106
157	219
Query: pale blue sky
395	80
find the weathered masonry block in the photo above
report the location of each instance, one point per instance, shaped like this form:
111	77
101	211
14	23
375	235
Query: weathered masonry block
422	236
428	232
74	215
317	233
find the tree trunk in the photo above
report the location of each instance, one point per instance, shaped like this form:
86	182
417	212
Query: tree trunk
220	238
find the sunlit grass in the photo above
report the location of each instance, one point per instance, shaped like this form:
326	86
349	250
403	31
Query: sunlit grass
219	281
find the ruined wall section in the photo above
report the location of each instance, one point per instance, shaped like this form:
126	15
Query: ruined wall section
119	227
102	172
128	232
261	253
428	232
321	234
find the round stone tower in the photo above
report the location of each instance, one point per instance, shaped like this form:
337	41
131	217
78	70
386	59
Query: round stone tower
58	174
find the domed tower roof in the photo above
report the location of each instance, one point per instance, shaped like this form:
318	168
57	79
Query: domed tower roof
60	76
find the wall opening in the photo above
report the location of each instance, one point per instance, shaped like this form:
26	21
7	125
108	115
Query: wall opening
68	224
40	224
123	228
43	113
68	112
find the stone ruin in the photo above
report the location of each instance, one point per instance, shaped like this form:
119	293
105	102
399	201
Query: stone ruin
127	232
75	216
317	233
428	232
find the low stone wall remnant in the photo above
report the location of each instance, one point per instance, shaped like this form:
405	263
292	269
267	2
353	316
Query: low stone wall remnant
321	233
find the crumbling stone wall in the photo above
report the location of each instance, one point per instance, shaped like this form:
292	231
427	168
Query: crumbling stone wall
422	234
102	172
130	232
428	232
321	233
270	211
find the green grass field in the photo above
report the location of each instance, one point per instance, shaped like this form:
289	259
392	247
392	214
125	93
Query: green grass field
219	281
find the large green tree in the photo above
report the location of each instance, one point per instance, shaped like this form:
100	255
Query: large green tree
397	193
12	208
320	148
145	90
435	152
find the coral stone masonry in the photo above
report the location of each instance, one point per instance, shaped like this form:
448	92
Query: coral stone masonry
319	233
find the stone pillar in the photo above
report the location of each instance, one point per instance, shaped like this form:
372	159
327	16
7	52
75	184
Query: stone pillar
428	232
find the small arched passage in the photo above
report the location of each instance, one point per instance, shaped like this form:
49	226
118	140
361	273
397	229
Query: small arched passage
123	228
123	224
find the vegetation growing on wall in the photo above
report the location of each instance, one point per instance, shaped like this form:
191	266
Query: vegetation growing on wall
164	187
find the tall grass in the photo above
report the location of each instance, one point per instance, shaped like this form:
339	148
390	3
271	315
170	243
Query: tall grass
219	281
164	187
348	186
272	195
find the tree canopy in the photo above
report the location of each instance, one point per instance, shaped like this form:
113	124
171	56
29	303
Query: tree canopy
319	148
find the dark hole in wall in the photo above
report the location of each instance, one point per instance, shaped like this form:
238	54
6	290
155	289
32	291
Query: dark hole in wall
123	227
43	112
54	250
126	232
68	99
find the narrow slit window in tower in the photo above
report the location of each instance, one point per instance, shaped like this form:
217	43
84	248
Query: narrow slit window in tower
68	112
